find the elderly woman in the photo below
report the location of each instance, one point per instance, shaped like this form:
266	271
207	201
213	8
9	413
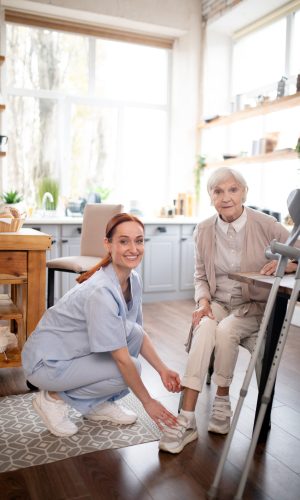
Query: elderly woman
227	311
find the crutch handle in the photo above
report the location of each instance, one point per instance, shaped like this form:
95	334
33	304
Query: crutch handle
285	250
270	255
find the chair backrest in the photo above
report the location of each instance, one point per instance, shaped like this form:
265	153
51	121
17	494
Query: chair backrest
95	218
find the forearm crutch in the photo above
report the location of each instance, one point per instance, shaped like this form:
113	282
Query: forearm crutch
277	247
294	209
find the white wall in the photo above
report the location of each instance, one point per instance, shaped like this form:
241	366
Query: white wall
216	84
177	18
172	13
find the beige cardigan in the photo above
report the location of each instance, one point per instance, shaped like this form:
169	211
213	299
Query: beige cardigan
260	230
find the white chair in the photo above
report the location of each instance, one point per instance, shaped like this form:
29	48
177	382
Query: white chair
95	219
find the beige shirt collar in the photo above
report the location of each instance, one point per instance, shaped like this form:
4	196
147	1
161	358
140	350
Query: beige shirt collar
238	224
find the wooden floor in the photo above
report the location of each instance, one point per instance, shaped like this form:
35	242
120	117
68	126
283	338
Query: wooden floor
142	473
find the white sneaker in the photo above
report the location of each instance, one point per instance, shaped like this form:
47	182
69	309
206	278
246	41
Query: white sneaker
54	414
174	439
111	412
219	421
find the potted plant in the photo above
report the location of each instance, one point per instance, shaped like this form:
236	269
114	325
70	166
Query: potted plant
297	148
200	165
11	197
48	185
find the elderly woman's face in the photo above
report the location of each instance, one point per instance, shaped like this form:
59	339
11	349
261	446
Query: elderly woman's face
227	198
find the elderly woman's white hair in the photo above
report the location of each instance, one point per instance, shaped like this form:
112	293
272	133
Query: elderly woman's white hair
222	175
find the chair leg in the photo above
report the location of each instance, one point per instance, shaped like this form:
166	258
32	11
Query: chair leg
31	387
50	288
180	402
210	368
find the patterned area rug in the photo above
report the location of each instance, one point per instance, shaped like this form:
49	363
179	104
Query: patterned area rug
24	440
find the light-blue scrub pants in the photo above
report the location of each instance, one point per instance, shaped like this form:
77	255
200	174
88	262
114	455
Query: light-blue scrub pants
89	380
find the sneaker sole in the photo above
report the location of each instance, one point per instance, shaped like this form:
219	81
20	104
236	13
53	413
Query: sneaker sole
99	418
218	431
47	423
191	437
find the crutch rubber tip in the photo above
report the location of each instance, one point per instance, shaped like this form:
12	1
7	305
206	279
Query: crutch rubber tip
212	492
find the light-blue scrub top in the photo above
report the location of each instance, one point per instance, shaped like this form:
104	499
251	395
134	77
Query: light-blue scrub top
92	317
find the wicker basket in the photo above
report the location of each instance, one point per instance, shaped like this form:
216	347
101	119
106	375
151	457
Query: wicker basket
13	227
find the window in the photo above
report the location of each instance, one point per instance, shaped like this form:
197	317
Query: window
90	112
295	60
259	58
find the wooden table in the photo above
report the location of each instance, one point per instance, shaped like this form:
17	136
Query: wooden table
23	255
273	332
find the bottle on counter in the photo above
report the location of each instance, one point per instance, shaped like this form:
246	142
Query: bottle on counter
298	83
281	86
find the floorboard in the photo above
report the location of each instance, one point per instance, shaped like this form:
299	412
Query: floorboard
141	473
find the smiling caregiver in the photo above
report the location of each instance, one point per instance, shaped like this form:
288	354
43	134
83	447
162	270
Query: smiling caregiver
84	351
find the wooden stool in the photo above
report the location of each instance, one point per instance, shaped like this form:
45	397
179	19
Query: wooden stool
13	308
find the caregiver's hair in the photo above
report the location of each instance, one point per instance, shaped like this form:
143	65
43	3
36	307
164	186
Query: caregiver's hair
222	174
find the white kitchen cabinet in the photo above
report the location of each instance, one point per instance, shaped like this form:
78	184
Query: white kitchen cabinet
70	246
54	252
167	269
187	257
161	260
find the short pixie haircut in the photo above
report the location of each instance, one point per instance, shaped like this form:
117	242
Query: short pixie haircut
222	175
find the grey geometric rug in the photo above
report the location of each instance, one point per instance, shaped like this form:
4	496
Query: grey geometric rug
25	441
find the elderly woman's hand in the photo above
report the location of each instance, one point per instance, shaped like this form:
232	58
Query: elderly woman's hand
269	268
204	309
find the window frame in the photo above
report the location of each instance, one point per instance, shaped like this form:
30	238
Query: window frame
65	100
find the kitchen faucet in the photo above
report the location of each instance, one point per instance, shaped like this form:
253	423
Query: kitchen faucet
46	197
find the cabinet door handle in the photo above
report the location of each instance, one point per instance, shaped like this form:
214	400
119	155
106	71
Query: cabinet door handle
146	239
53	241
64	241
79	230
162	229
183	239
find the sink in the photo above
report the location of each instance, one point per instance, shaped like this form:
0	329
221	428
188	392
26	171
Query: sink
44	214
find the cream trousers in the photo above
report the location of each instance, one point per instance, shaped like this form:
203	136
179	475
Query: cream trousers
224	334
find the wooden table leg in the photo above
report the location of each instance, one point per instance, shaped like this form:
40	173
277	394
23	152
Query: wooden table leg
36	300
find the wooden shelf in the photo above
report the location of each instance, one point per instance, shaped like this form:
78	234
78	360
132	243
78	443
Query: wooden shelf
2	59
286	102
8	310
13	359
2	153
2	107
287	154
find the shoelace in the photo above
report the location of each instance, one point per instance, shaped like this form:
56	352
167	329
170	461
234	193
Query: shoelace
115	407
62	411
221	410
176	431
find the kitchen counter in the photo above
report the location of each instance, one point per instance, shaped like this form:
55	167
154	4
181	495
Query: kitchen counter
168	266
146	220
